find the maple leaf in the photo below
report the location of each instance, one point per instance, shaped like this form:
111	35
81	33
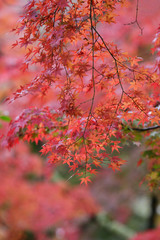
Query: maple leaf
93	171
114	166
115	147
135	60
68	161
85	180
74	166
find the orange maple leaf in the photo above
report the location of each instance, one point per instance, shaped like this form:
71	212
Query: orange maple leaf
115	147
85	180
114	166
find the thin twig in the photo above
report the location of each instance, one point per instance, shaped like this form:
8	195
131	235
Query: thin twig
136	19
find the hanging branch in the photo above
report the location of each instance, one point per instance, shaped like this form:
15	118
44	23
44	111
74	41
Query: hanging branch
146	129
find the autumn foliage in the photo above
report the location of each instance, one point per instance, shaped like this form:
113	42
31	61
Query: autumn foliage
82	97
98	89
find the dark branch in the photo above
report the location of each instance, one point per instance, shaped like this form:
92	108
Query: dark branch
146	129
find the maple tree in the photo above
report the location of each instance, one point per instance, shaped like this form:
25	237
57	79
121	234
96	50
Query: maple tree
100	90
88	97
